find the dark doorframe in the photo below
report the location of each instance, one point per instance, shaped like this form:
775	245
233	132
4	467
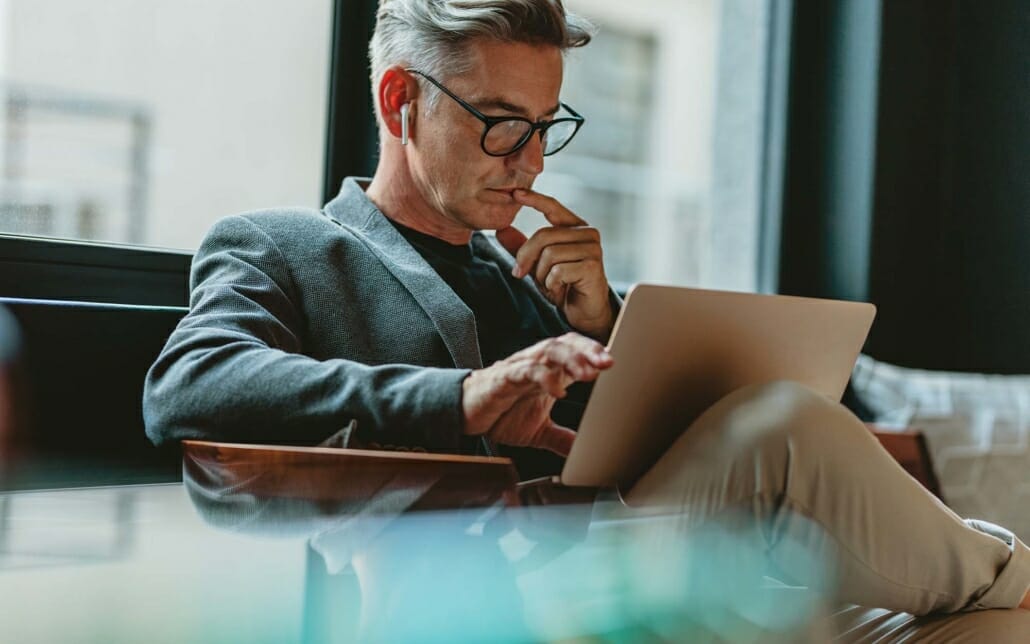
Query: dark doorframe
352	144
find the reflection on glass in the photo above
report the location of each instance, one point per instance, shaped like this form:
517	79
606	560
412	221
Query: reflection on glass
504	573
269	563
46	529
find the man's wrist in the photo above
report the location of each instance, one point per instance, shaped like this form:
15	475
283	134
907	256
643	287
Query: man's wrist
465	399
601	330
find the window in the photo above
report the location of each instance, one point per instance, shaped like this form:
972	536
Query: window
143	122
668	165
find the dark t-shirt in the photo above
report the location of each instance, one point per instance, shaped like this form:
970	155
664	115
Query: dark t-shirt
507	321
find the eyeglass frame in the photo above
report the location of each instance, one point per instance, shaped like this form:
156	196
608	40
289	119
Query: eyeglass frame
491	121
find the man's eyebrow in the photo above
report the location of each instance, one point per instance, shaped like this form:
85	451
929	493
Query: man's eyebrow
500	104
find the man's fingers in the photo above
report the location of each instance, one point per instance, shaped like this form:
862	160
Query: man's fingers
530	252
578	355
571	338
578	275
529	425
511	239
555	438
566	253
549	207
572	357
522	389
557	281
591	350
550	378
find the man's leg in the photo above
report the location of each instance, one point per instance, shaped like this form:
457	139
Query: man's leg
813	481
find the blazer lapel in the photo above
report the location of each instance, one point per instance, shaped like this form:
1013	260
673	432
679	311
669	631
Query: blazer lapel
453	320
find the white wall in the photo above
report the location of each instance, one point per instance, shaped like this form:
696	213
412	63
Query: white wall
4	47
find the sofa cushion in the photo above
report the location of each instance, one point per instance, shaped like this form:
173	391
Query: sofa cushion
977	427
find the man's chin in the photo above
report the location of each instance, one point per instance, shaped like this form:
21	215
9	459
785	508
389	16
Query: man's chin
502	217
495	216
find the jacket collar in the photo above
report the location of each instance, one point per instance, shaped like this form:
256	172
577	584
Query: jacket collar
453	320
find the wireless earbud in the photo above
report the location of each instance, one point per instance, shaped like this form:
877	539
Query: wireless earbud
404	122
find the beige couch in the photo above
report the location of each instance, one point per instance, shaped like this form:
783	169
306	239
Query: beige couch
978	431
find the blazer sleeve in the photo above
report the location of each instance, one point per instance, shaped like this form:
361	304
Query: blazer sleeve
233	369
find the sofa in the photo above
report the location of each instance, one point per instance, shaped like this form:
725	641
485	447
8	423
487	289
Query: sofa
977	429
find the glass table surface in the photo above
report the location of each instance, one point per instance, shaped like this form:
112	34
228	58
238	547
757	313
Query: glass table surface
195	562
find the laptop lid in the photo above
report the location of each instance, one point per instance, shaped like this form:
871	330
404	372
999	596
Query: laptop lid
679	350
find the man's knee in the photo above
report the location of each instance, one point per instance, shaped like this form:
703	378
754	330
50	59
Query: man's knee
780	392
784	411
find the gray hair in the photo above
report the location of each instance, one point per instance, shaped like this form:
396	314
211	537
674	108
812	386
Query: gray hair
434	34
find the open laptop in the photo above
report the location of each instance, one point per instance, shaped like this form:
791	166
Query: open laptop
679	350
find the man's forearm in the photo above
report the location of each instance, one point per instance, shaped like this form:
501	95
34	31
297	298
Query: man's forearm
244	392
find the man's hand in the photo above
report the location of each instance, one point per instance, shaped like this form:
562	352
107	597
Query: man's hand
565	261
511	400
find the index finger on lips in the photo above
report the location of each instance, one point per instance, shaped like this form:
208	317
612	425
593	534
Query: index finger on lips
549	207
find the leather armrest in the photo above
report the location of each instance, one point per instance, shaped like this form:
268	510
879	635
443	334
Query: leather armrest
349	476
908	447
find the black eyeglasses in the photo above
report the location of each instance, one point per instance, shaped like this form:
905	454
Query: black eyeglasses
505	135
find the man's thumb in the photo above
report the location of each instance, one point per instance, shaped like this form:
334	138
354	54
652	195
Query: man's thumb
556	438
511	238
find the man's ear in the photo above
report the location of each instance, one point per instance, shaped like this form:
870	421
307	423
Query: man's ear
396	88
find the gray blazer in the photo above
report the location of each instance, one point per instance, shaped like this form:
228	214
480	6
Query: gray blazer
301	321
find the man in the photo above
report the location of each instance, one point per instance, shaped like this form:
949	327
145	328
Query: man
384	308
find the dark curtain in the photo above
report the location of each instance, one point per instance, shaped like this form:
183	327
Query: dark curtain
907	179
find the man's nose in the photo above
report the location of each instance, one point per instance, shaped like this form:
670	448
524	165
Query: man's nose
530	157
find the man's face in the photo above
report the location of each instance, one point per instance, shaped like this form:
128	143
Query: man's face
451	171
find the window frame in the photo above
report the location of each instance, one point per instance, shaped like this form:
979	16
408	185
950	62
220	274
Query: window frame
352	136
49	268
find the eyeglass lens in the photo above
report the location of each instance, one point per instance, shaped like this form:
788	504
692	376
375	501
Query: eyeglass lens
505	136
558	135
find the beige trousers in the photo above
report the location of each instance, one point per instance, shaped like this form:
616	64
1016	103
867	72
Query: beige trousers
812	483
